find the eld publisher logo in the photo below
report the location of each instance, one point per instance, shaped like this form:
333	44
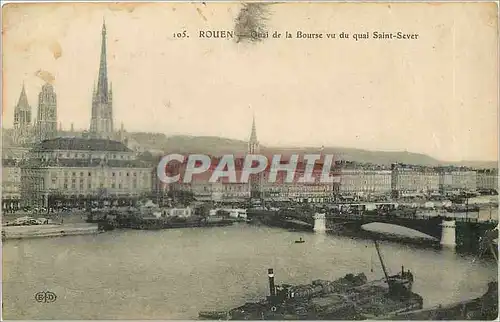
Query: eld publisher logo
45	297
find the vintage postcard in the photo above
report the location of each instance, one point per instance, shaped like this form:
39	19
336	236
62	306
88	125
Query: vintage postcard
250	161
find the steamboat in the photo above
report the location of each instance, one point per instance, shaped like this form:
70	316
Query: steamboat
347	298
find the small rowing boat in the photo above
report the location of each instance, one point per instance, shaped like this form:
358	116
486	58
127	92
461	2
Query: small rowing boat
300	241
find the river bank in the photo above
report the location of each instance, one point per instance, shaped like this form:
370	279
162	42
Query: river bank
39	231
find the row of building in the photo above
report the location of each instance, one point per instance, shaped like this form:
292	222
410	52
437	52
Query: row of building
96	167
79	172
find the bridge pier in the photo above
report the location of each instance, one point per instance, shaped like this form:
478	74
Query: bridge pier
319	223
448	234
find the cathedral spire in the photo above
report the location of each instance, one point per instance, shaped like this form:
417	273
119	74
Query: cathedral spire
253	135
101	122
102	83
22	103
253	143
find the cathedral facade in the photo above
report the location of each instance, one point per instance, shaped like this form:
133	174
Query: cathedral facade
28	130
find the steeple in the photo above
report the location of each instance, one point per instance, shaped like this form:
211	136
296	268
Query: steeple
101	122
22	103
253	135
22	112
253	143
102	83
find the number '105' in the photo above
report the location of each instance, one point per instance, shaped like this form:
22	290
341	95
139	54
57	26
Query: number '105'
182	34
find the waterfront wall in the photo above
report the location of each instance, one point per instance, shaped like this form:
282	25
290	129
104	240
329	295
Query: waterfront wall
39	231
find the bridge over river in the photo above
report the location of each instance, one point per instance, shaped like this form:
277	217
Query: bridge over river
465	233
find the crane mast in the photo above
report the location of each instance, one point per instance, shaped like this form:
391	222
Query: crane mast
381	261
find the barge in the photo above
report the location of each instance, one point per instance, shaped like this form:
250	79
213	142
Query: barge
109	220
155	224
348	298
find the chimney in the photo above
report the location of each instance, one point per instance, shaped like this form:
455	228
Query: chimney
272	289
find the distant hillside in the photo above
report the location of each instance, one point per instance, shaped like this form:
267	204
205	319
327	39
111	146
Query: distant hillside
218	146
189	144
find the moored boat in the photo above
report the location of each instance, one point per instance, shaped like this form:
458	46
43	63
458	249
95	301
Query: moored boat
347	298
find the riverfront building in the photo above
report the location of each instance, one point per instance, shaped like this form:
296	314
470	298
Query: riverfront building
78	172
453	179
11	177
363	180
412	181
487	179
284	190
11	185
200	186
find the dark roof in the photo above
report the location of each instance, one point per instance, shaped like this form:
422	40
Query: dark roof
82	144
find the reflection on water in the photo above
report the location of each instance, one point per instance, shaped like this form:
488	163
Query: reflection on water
173	274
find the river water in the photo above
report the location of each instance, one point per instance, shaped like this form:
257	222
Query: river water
173	274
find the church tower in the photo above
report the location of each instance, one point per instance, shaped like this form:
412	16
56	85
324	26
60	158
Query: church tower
253	148
253	143
101	123
46	127
22	118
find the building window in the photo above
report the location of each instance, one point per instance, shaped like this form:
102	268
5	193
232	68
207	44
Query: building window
81	174
128	174
65	185
89	186
90	174
112	185
74	174
113	174
119	186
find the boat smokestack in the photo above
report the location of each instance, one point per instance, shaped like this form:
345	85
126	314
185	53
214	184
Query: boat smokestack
272	289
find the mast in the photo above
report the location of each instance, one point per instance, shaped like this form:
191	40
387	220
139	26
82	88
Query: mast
381	261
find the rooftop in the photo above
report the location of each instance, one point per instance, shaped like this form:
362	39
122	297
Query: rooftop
85	163
81	144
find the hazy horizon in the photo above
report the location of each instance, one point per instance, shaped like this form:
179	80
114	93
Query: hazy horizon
434	96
